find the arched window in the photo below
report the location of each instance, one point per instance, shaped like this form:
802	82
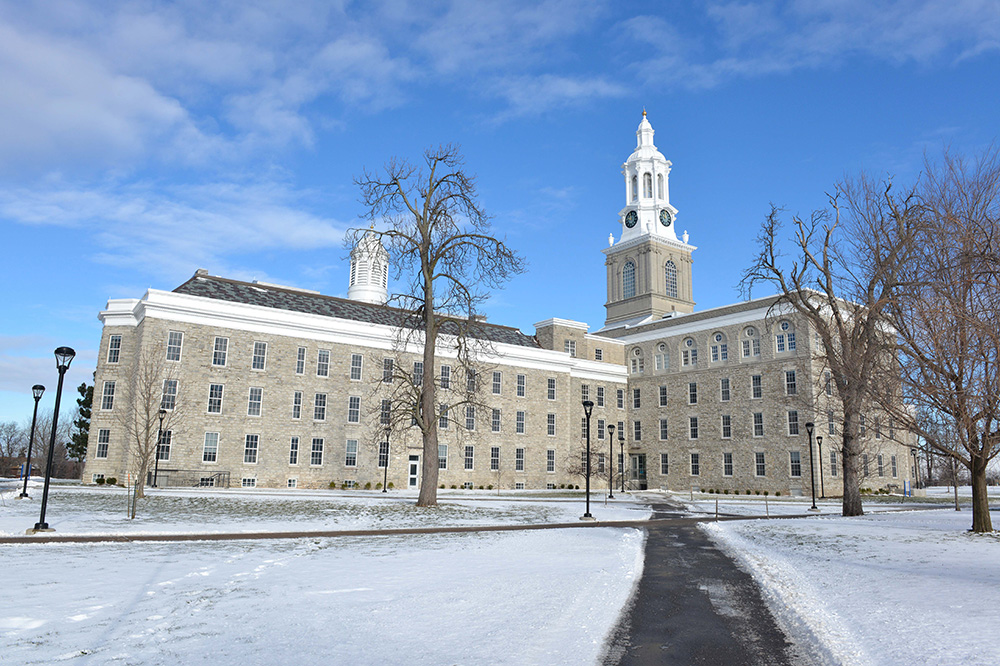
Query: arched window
628	280
635	188
659	186
670	274
647	185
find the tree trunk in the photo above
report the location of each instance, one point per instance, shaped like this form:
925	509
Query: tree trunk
429	464
981	521
852	482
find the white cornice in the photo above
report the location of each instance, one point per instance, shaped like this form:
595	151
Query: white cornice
628	244
568	323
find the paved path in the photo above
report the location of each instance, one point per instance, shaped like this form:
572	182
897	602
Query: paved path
695	606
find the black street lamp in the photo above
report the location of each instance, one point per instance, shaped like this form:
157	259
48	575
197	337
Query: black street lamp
819	445
37	390
621	463
611	462
812	467
588	407
916	469
385	479
64	356
159	442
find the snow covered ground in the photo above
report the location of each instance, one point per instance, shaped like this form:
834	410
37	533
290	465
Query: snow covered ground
541	597
901	585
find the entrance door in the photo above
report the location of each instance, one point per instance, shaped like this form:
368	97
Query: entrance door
639	470
414	470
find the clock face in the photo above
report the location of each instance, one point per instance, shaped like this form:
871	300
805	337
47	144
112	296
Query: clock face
631	218
665	217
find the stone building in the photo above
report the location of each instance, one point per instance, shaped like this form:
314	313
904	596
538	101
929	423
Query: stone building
282	387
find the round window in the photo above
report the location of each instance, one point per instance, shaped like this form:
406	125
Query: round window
784	325
637	352
718	337
662	347
751	332
689	342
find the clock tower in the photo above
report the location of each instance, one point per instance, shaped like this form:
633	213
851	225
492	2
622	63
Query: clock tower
649	268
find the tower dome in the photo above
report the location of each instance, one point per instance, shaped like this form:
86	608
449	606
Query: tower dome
369	271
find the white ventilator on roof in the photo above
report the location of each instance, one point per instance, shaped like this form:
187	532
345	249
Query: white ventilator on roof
369	271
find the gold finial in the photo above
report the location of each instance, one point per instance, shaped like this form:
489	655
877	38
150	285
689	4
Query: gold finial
643	112
371	227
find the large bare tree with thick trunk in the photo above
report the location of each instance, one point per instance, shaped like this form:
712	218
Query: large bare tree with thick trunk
439	237
947	319
840	277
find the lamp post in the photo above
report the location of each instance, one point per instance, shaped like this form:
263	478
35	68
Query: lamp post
611	462
37	390
64	356
819	445
812	467
385	477
916	469
621	445
588	407
159	442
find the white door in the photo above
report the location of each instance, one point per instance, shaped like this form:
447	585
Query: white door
414	470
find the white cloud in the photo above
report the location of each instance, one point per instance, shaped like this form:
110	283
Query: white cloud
529	95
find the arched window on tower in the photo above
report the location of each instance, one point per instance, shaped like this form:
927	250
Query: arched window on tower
628	280
635	188
659	186
670	273
647	185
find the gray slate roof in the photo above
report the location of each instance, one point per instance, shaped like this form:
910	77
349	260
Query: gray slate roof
269	296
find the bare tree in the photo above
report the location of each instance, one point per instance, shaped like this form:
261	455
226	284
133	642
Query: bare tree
946	318
437	235
841	278
13	445
137	412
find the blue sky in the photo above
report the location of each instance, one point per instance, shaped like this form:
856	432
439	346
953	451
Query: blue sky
145	140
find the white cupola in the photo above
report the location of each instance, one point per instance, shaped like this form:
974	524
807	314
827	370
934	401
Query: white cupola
647	191
369	271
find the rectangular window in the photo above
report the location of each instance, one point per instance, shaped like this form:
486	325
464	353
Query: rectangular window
828	382
470	380
254	401
790	387
495	421
569	346
864	465
881	467
878	428
293	451
598	354
695	464
621	398
385	413
388	368
759	468
470	457
664	464
663	396
600	396
351	453
583	427
357	361
259	356
292	483
661	362
443	417
793	422
600	428
219	351
354	409
746	348
550	460
248	482
470	417
323	363
104	439
727	464
637	431
693	393
795	463
727	426
831	427
300	361
584	392
521	382
550	425
319	407
418	373
316	455
780	342
833	463
108	396
724	389
551	389
519	423
442	456
297	405
169	399
861	425
210	451
757	387
693	427
758	424
114	348
446	377
791	342
600	463
250	449
494	458
497	382
663	429
892	465
518	460
636	401
174	341
215	398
